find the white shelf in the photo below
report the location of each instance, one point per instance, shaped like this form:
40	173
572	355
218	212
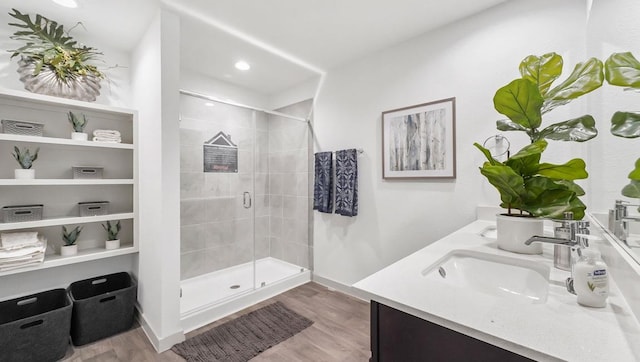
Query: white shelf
63	141
63	221
55	260
62	182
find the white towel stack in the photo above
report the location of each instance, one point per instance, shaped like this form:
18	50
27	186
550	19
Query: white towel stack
105	135
21	249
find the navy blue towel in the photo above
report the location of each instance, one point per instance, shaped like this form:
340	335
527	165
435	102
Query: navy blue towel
347	182
323	182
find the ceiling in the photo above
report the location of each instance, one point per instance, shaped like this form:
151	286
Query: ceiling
286	41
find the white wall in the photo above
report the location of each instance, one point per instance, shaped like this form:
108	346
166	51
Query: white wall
468	60
156	66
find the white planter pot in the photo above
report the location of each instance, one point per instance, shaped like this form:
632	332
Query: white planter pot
79	136
23	174
112	244
68	250
513	231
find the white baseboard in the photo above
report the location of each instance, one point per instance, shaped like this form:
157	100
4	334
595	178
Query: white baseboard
160	344
341	287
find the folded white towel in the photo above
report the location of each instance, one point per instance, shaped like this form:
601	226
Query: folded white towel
107	140
106	133
19	239
23	264
9	255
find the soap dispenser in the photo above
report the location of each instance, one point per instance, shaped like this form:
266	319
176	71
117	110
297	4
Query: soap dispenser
591	279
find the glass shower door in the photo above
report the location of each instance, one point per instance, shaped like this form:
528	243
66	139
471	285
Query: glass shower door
217	201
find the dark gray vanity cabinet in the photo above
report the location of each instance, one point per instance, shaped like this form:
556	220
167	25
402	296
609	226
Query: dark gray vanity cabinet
400	337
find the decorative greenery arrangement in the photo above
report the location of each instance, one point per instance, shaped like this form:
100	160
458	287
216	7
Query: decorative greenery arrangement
623	70
24	157
525	184
49	46
112	230
78	123
70	237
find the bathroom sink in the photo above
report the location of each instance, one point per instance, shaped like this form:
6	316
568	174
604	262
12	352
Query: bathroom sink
495	275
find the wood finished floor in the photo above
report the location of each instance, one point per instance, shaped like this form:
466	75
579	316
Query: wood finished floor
340	332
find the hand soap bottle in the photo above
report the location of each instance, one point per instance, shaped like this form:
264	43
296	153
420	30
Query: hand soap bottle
591	279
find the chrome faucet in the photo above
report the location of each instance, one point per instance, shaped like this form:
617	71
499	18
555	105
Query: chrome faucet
568	241
619	220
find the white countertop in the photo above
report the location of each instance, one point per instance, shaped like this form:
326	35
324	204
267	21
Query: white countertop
559	329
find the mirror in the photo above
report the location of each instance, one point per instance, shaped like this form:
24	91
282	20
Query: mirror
612	27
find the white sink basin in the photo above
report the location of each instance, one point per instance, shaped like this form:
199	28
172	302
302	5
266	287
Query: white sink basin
495	275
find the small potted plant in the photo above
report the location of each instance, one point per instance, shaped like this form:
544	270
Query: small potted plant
112	235
623	70
78	124
529	189
70	238
25	158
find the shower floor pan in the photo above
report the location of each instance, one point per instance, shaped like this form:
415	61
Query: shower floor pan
209	297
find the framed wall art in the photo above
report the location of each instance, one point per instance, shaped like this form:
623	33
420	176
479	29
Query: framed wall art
420	141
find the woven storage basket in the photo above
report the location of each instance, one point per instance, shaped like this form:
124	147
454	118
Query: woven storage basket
87	172
93	208
21	213
24	128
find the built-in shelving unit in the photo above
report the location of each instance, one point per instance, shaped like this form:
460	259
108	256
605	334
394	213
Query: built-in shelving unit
54	186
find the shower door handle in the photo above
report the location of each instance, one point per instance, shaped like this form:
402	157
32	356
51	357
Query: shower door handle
246	200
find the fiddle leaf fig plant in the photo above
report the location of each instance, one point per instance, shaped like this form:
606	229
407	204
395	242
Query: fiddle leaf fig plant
623	70
525	100
524	182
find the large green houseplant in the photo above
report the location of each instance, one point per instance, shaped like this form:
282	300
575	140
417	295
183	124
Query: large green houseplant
52	62
623	70
527	186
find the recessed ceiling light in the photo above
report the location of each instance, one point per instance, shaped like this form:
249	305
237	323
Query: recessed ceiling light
242	65
209	104
66	3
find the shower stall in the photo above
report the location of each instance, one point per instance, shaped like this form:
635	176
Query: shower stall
245	205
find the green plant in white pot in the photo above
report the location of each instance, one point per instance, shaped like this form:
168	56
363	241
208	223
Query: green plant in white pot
69	238
78	123
25	159
529	189
623	70
112	235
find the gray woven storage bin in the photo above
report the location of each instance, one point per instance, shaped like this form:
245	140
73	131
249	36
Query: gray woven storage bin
24	128
93	208
87	172
20	213
35	327
102	306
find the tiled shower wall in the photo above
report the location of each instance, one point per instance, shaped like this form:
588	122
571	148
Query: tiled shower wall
289	181
215	227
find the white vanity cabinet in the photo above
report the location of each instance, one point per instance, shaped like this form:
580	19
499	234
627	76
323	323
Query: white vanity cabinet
54	185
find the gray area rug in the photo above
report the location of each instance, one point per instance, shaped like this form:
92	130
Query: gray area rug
245	337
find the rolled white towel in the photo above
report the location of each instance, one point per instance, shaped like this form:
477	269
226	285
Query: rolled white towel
19	239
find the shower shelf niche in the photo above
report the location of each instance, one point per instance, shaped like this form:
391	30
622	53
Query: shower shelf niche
54	186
